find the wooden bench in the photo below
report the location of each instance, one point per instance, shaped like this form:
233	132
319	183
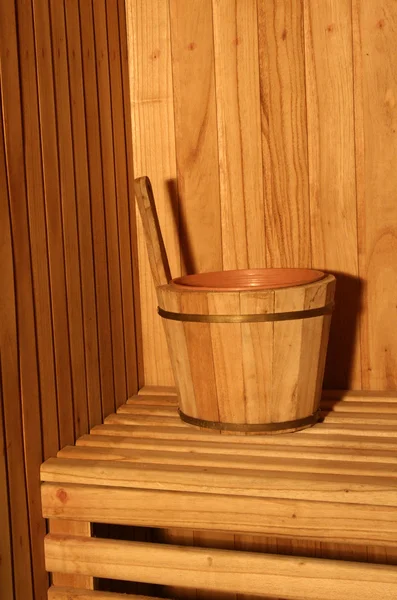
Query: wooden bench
335	482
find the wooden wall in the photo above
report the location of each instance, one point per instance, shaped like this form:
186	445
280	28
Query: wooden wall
67	341
269	130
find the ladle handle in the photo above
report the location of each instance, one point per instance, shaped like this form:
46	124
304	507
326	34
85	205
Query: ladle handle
151	226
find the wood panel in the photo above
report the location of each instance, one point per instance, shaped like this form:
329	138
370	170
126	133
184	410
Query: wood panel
284	133
239	133
152	116
196	135
321	176
375	80
66	273
333	214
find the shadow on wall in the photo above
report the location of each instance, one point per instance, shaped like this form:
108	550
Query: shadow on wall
344	333
188	265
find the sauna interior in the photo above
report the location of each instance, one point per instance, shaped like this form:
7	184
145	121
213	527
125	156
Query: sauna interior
269	131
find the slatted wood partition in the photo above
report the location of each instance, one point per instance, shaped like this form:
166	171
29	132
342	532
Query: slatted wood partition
67	333
268	129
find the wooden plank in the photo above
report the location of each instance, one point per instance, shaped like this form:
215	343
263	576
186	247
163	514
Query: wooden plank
375	84
387	455
122	197
80	528
134	371
335	437
110	198
196	134
49	148
284	134
20	352
333	218
9	380
38	229
163	400
239	133
84	229
222	570
69	217
6	566
306	520
153	134
69	593
366	490
258	463
157	390
101	267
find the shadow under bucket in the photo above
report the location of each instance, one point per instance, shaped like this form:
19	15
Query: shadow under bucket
247	347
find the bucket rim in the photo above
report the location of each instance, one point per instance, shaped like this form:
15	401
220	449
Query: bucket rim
237	280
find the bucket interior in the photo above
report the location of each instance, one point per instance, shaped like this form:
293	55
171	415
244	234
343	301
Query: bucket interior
248	279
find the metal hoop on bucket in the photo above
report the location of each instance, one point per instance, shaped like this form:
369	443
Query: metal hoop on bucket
283	316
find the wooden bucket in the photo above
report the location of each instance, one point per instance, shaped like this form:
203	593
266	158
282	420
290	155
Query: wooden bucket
247	347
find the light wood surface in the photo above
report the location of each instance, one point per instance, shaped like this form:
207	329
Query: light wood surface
316	190
77	528
331	155
153	136
289	577
375	71
340	468
56	345
70	593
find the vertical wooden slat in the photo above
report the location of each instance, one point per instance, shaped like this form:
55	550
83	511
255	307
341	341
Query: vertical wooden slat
196	134
284	135
153	136
80	528
13	517
375	84
48	130
69	217
135	373
239	133
122	194
37	229
90	84
28	393
82	191
109	186
330	116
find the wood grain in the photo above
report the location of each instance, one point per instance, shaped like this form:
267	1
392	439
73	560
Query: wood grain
55	314
68	593
123	170
69	217
331	147
284	134
375	81
24	372
56	258
77	528
110	197
153	135
239	133
196	135
82	191
101	266
6	577
225	571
